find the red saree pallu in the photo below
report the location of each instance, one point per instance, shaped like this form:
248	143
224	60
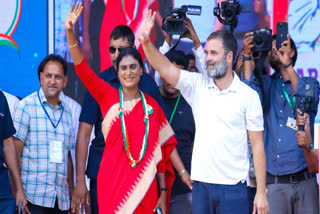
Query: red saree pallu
120	187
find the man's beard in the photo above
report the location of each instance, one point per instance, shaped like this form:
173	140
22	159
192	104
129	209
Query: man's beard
219	70
275	64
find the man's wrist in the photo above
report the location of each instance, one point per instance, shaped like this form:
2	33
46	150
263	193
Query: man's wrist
81	180
196	43
246	54
245	58
310	146
287	65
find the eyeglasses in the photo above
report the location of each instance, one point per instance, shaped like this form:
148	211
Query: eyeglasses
112	49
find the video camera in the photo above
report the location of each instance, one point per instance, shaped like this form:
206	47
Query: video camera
229	11
177	25
262	40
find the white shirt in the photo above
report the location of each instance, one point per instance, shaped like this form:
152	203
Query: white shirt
222	118
75	109
12	102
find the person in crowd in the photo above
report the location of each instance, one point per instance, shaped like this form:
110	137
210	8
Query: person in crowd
198	59
221	104
182	122
9	160
258	66
121	158
291	188
44	139
121	37
12	102
191	63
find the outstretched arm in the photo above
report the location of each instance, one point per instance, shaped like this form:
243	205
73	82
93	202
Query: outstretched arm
166	69
99	89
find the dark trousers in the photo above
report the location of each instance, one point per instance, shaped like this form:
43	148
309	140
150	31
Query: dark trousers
219	199
35	209
7	201
251	195
7	205
93	196
294	198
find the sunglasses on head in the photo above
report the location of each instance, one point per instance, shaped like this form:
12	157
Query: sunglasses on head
112	49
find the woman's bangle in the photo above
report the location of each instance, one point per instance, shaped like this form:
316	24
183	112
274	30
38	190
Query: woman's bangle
182	171
72	46
163	189
143	44
286	66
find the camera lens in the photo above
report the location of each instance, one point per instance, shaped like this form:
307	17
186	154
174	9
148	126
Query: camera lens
257	41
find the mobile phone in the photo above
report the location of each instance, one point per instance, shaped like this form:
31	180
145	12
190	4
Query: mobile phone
159	210
282	32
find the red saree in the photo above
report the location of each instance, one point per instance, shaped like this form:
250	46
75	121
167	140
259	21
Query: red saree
121	188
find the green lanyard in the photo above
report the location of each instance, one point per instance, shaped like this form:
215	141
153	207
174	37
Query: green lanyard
175	108
293	104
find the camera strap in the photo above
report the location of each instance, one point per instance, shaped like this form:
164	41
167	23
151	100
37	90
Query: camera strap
175	45
286	95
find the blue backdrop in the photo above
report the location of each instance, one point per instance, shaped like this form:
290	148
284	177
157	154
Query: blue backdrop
18	70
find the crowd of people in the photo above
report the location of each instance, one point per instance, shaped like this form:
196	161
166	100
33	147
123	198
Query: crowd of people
211	133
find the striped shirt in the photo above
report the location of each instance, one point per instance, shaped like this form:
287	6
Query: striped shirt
43	181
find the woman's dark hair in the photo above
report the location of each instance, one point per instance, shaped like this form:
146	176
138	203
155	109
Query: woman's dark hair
130	51
53	58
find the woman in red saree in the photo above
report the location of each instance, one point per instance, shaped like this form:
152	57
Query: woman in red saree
139	140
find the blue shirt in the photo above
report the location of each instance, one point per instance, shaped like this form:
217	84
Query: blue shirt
6	125
184	128
91	114
38	124
283	154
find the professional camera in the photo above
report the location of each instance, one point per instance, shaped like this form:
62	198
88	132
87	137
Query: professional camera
177	25
229	11
262	40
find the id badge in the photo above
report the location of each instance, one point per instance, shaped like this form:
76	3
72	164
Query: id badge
55	151
291	123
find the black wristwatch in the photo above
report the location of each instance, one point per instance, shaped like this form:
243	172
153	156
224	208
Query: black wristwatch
245	58
311	146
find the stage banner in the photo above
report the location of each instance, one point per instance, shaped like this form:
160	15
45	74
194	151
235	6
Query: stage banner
23	44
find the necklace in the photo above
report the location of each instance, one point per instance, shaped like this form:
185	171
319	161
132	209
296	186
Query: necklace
133	163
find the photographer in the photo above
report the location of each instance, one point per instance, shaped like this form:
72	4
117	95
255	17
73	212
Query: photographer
197	49
290	186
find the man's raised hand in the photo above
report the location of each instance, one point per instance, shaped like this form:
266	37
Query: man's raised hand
73	16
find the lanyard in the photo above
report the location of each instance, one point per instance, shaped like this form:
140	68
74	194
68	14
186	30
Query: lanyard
293	104
175	108
54	126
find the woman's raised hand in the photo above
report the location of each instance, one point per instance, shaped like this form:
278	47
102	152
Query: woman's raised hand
146	26
73	16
